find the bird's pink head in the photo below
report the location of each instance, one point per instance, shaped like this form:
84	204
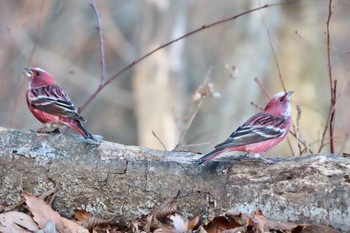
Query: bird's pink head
280	105
38	77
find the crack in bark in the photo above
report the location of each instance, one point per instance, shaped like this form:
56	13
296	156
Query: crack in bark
146	177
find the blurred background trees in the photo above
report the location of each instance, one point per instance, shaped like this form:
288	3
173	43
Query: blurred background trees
157	94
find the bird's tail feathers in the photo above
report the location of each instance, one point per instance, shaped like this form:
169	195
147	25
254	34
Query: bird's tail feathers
78	126
211	155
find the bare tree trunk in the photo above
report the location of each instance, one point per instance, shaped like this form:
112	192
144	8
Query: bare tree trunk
123	182
158	82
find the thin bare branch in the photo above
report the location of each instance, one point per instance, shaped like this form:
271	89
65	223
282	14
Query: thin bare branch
332	119
297	130
337	95
302	142
160	141
334	93
196	144
327	140
310	41
189	122
256	105
204	27
332	107
102	53
203	93
273	51
290	146
262	88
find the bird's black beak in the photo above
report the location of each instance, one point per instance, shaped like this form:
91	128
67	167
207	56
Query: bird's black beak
28	72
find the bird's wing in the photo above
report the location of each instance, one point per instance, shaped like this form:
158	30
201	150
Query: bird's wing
260	127
53	99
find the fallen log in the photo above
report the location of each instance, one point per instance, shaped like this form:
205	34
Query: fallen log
124	182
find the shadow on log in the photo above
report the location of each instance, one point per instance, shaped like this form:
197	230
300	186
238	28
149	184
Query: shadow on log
123	182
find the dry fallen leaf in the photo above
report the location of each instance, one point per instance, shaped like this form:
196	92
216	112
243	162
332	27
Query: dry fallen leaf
43	213
3	206
149	223
259	221
154	225
16	222
191	224
280	226
139	223
147	226
230	221
91	222
216	225
81	215
167	229
238	218
168	207
313	229
135	227
97	223
236	230
201	229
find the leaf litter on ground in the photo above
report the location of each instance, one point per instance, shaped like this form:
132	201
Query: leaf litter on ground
164	218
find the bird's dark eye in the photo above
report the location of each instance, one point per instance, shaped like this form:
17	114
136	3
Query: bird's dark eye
282	99
37	73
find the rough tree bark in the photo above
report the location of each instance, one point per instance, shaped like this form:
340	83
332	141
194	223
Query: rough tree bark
123	182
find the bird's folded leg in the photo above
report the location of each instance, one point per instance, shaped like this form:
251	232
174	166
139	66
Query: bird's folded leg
269	161
56	130
257	156
246	155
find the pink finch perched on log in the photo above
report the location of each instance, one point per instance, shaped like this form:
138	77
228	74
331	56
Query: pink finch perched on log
260	132
50	104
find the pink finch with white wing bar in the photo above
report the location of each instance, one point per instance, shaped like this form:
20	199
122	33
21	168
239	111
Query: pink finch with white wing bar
260	132
50	104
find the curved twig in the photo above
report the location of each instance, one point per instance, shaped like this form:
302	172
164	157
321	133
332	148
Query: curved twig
101	87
